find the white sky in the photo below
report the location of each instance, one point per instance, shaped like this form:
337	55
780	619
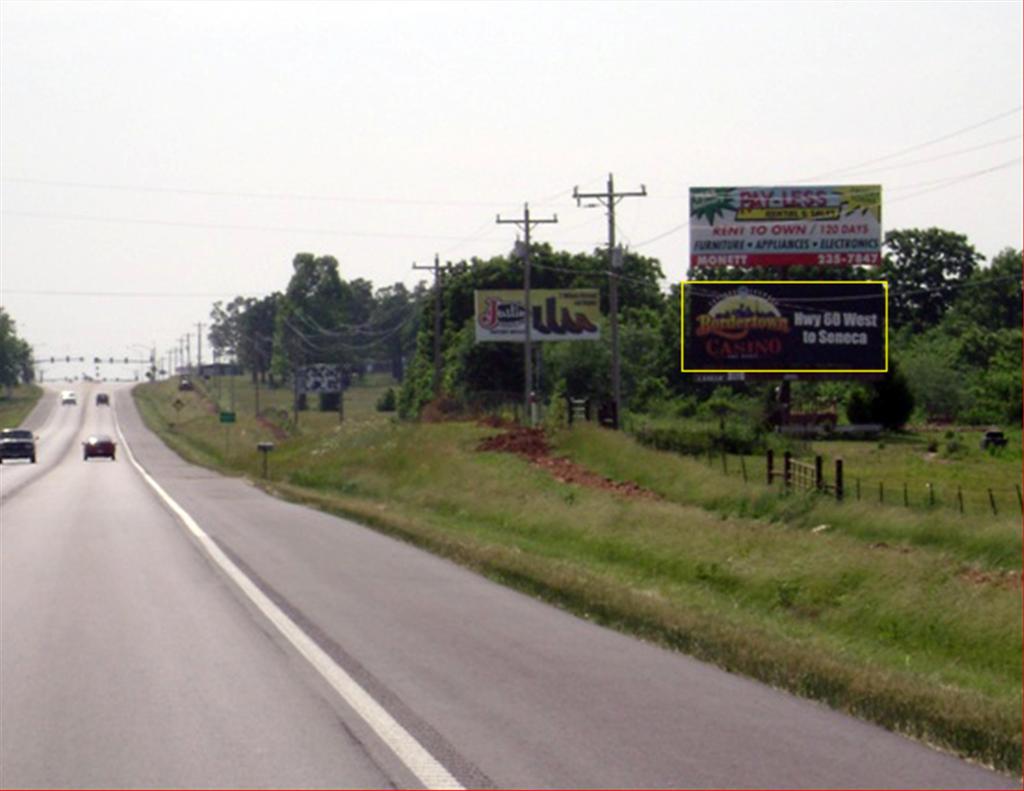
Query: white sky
190	149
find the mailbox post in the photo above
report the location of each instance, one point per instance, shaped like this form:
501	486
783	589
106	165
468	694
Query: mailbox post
265	448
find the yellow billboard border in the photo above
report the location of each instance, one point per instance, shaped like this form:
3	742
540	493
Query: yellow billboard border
682	332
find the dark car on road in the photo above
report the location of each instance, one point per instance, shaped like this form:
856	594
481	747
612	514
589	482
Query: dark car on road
17	443
98	446
102	399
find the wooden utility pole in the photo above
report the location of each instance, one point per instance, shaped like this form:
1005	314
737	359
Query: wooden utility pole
199	347
437	322
609	198
526	224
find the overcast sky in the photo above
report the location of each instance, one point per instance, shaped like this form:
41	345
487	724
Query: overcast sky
158	156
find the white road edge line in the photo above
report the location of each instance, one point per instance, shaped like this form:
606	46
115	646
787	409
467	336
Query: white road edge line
404	745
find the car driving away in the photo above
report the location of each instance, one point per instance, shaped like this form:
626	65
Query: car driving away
98	446
102	399
17	443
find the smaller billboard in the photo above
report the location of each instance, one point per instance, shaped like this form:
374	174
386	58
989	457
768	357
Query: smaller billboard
792	326
558	315
831	226
320	378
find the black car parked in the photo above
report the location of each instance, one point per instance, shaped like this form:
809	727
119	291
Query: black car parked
17	443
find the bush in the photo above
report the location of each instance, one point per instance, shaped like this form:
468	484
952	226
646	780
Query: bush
699	440
387	402
887	401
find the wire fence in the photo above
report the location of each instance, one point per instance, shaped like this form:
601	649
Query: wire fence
814	475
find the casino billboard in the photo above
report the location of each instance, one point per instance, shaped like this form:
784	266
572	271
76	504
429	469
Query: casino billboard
794	326
832	226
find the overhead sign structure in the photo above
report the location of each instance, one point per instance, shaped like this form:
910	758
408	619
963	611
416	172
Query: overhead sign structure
793	326
558	315
320	378
786	226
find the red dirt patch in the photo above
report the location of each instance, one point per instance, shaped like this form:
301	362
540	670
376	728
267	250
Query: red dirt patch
532	445
278	432
1009	580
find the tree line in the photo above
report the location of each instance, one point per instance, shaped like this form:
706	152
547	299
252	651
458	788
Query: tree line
955	333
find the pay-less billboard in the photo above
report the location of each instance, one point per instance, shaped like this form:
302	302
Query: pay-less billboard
786	226
794	326
558	315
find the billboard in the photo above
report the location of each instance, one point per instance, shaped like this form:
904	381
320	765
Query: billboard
320	378
786	226
791	326
558	315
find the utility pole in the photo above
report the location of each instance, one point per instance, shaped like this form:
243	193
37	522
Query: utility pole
526	224
437	322
188	352
199	347
609	199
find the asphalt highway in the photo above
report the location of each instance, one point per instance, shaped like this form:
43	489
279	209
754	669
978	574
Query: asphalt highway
208	635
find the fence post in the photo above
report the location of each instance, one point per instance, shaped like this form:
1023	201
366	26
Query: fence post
1020	501
770	461
743	468
931	494
992	502
858	488
818	482
725	462
906	500
881	492
787	468
839	480
960	498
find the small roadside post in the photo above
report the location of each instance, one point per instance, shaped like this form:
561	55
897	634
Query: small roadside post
226	418
265	448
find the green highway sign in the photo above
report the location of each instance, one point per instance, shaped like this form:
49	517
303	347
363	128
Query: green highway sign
227	417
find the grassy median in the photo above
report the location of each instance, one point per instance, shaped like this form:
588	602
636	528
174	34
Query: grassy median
921	635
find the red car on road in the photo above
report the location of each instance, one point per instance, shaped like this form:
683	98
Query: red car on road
98	445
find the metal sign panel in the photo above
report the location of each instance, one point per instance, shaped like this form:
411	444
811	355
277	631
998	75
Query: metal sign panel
794	326
558	315
786	226
320	378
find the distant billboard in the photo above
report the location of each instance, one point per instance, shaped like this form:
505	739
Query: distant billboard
794	326
558	315
320	378
786	226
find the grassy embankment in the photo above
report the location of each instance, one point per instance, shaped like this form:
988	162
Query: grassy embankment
16	403
910	620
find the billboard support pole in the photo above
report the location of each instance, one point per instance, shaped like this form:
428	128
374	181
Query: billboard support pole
609	199
526	224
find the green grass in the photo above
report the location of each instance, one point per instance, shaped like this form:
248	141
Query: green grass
912	635
16	403
984	539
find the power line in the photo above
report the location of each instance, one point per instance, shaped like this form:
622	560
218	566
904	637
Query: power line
226	226
912	148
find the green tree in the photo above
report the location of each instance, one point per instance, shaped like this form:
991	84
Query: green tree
306	323
925	269
15	354
472	368
991	298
